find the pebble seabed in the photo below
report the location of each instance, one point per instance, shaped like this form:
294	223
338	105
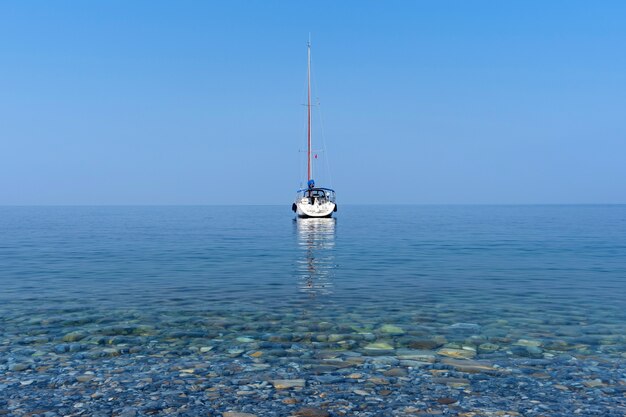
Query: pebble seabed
82	362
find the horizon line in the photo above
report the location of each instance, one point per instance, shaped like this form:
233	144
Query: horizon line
287	204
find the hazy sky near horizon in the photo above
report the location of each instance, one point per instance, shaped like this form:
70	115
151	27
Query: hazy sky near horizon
198	102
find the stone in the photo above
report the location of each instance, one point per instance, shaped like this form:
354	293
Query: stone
413	364
594	383
378	380
61	348
391	329
324	325
311	412
456	353
287	383
85	378
329	379
76	347
244	339
396	372
110	352
534	351
525	342
322	369
234	414
425	344
290	401
469	366
385	360
446	400
143	330
356	360
233	353
18	367
128	412
559	345
74	336
379	346
416	355
333	338
453	382
487	347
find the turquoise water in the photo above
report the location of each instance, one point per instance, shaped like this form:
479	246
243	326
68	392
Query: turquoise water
486	283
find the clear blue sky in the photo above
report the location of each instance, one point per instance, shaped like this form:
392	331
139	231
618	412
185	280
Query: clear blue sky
197	102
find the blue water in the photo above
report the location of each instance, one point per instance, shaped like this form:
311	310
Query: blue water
476	260
535	294
548	273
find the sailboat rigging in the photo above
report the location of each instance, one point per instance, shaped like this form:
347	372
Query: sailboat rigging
313	201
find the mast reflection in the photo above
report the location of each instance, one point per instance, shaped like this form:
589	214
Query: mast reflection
315	269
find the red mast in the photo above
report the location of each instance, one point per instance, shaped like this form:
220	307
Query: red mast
309	110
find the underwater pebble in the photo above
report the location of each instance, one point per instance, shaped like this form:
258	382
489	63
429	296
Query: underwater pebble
74	336
391	329
287	383
456	353
264	367
18	367
379	346
311	412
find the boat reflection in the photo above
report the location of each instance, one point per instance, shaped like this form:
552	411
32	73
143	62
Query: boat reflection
316	239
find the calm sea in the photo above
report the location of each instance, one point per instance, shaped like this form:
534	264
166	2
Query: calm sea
475	263
385	310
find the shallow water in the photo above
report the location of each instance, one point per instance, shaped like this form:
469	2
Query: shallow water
506	285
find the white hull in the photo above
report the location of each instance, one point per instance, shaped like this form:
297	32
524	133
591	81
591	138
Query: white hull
305	209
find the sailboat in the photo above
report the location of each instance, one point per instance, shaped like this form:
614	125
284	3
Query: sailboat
313	201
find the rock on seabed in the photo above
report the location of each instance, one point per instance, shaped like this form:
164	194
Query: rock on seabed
287	383
391	329
18	367
235	414
379	346
312	412
456	353
469	366
74	336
